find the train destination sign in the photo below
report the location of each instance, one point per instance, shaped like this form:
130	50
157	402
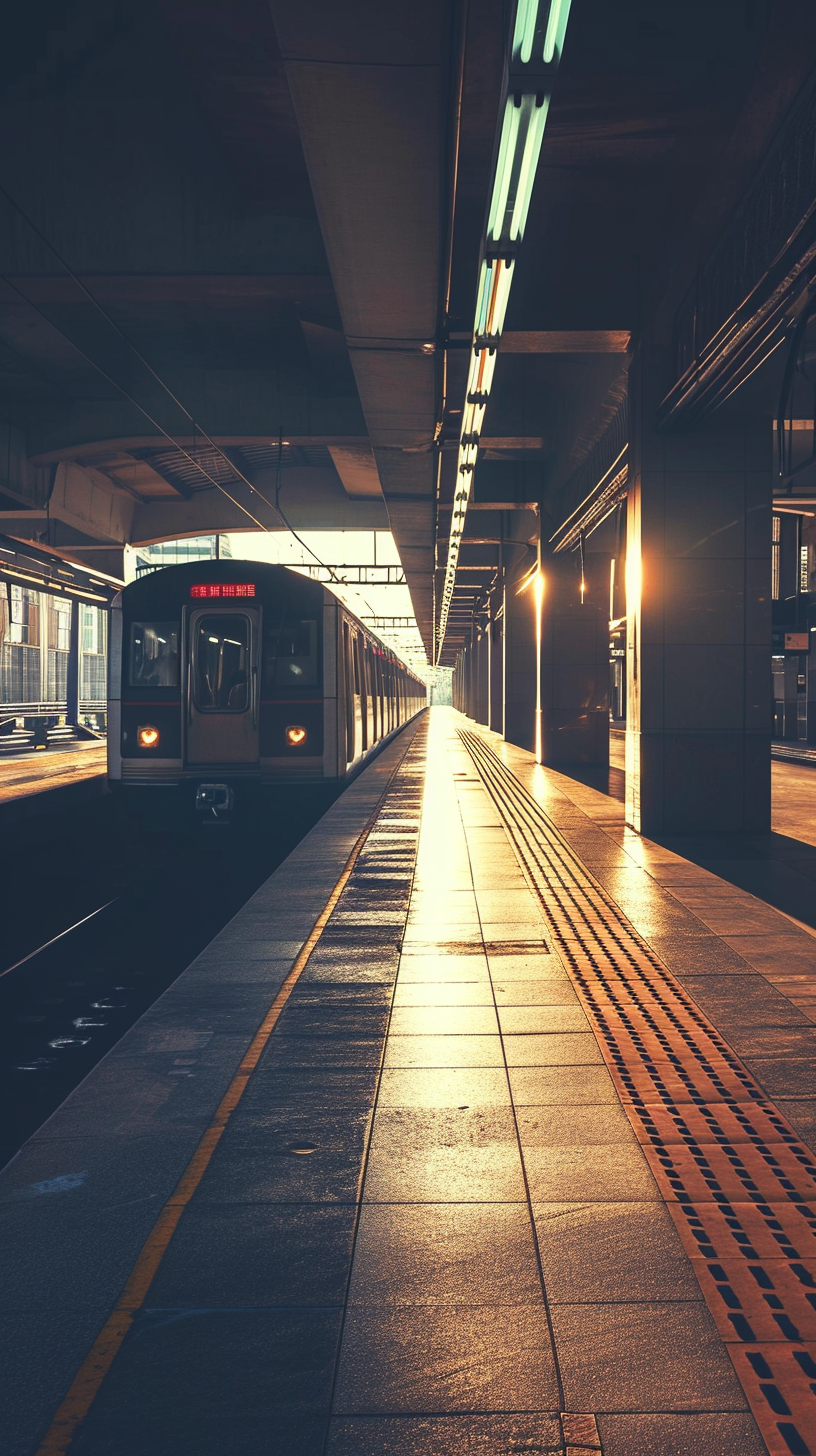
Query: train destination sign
223	589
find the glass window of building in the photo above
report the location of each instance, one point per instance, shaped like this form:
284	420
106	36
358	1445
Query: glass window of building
59	624
24	627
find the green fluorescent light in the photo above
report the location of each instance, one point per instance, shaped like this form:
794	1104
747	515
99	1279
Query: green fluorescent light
526	17
504	168
483	298
522	134
536	120
522	131
556	30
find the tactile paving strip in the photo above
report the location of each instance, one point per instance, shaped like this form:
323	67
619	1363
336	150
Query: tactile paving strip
738	1181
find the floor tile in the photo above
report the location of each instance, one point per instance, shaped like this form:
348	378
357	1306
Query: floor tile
444	1253
435	1359
721	1434
488	1173
265	1366
257	1255
554	1085
567	1049
443	1051
555	992
298	1434
610	1173
443	1087
547	1018
607	1252
574	1126
461	1435
444	1021
443	993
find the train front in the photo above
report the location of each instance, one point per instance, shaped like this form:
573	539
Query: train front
215	683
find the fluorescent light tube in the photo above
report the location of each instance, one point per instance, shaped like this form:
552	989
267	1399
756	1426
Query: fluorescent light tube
522	130
483	298
473	418
502	282
524	32
556	30
504	168
535	117
482	369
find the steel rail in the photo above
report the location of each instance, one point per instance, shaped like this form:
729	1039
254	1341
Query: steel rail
32	955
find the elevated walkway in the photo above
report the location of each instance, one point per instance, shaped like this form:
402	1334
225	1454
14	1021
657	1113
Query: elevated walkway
485	1127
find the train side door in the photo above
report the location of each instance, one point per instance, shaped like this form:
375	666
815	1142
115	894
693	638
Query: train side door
223	648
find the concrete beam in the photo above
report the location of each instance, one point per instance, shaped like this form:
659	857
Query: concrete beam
368	85
232	403
357	468
566	341
311	498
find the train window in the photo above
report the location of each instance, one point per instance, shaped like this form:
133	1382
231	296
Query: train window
220	663
154	655
290	655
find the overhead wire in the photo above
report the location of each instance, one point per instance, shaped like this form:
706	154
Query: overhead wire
291	529
196	428
129	397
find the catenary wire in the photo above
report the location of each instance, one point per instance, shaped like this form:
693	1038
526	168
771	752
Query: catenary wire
197	429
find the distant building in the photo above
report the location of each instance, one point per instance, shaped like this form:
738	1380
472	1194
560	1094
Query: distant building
441	686
178	553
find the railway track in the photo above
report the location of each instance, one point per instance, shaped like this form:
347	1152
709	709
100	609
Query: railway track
64	1004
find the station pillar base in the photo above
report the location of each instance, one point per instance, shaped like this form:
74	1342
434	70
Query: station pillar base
698	572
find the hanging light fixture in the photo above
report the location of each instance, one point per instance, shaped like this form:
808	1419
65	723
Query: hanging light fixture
536	43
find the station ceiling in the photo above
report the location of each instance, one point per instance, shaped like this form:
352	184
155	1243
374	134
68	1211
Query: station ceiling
239	249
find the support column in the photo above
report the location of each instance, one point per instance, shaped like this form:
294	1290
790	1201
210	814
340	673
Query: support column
698	622
481	652
72	706
575	661
470	670
496	720
520	666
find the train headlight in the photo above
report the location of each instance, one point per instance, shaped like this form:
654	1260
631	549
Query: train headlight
295	736
147	737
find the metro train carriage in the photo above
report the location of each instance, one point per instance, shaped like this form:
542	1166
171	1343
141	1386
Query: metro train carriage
227	675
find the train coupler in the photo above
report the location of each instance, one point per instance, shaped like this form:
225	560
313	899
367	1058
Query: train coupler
215	803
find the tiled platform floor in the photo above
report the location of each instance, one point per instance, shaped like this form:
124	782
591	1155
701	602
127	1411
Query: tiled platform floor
779	868
53	768
429	1226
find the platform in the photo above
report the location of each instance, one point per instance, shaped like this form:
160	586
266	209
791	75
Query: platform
80	769
485	1127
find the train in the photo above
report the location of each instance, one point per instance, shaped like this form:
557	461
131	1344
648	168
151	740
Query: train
226	677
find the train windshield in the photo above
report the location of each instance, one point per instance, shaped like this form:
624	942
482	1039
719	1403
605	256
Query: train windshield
290	654
154	655
220	657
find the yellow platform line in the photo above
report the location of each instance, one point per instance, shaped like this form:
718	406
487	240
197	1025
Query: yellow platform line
88	1379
